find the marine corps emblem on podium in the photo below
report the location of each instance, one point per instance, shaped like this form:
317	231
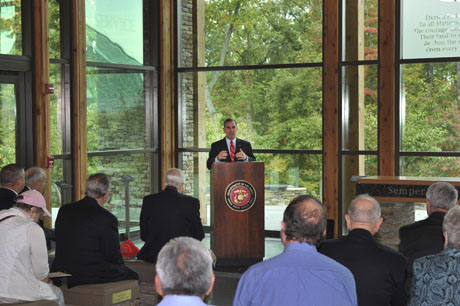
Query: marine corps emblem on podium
240	195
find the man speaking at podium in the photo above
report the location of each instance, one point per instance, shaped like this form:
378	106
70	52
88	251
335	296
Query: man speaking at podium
230	149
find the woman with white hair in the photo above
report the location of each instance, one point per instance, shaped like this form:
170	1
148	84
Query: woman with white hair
24	265
436	277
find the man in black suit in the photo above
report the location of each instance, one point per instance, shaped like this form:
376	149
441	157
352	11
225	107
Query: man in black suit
87	243
230	149
168	214
12	182
379	271
425	237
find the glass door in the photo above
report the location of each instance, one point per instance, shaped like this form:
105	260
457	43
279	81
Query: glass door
8	112
16	124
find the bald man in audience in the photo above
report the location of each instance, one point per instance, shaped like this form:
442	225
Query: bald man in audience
379	271
300	275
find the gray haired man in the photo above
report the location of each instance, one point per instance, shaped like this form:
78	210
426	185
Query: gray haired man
87	243
184	272
35	179
168	214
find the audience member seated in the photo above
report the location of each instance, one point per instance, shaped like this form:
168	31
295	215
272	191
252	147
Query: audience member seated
35	179
12	182
24	258
425	237
184	272
436	277
87	243
379	271
300	275
167	215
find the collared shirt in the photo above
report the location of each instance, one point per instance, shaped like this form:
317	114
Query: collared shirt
182	300
298	276
228	147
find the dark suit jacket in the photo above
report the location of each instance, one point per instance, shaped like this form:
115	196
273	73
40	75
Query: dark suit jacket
167	215
379	271
421	238
221	145
7	198
87	244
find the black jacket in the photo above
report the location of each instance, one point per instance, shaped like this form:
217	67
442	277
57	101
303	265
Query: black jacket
221	145
167	215
87	244
7	198
379	271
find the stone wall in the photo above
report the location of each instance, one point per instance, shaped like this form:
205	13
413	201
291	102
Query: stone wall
186	92
394	216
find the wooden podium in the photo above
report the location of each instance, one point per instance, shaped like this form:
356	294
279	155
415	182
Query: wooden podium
237	213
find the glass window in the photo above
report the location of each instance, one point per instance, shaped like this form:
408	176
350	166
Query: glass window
256	32
430	166
56	111
275	109
361	31
430	115
132	170
360	107
114	31
54	25
10	27
117	113
7	124
430	28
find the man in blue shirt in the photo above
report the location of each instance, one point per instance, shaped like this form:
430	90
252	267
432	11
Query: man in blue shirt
300	275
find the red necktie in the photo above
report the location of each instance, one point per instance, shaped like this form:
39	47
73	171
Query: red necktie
232	151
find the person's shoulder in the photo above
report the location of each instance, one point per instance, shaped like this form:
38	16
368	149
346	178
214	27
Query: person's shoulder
391	254
408	228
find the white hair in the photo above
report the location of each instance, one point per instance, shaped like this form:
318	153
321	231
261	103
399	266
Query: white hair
34	174
174	177
369	216
451	225
442	195
184	266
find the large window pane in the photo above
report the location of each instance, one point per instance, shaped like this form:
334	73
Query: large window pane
430	166
10	27
275	109
360	30
360	107
430	115
114	31
118	116
255	32
54	23
7	124
56	111
134	169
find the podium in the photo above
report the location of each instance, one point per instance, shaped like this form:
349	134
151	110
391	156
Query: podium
237	213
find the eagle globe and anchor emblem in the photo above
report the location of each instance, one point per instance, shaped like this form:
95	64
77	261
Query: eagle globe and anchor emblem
240	195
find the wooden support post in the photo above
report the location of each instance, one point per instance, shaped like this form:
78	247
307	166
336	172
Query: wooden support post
79	129
331	110
42	100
